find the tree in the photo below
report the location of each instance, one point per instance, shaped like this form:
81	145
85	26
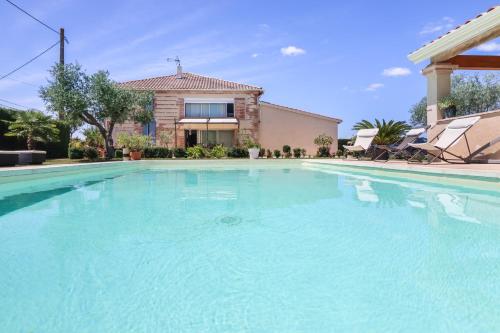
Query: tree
388	132
418	113
323	140
471	94
67	94
33	126
96	100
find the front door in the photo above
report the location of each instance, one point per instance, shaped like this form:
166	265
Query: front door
191	138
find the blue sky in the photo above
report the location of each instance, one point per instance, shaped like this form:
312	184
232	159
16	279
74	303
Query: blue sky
344	59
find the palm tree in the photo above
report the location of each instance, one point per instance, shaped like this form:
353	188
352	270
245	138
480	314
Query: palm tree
388	132
33	126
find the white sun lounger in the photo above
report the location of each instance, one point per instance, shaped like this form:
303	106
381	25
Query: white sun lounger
364	139
447	139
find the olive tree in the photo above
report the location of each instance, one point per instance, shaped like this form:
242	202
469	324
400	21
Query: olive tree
96	100
470	93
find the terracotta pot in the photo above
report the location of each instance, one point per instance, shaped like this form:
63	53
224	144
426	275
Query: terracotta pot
135	155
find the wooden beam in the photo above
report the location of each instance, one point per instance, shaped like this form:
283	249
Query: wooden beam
475	62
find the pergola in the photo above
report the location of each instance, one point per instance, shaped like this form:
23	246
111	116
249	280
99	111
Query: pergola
445	56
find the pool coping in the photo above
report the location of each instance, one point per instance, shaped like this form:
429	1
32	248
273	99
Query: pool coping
411	168
367	165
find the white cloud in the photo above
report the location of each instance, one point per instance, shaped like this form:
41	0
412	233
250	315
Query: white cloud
489	47
446	23
396	71
255	55
374	86
292	51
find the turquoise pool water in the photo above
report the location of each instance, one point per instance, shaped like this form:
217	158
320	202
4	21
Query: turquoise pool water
269	248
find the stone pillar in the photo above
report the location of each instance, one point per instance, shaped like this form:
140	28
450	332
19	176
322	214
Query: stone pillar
438	86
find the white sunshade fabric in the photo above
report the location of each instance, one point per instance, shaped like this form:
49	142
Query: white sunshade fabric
364	139
454	130
415	131
208	120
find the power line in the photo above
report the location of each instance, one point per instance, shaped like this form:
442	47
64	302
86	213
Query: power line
18	105
33	17
29	61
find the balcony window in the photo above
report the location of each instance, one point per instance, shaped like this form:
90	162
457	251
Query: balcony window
209	110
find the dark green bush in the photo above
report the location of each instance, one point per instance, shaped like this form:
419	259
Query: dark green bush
277	153
157	152
118	153
179	152
91	153
297	152
238	152
324	152
262	152
75	153
269	154
287	151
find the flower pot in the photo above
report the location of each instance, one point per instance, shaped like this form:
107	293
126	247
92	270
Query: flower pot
135	155
450	112
254	153
126	154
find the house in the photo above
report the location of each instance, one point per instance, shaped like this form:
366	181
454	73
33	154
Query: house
198	109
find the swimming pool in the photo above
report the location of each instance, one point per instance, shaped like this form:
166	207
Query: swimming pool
247	247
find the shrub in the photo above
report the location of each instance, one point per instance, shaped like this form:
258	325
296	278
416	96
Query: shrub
75	153
238	152
339	153
218	151
262	152
297	152
324	152
157	152
303	152
277	153
269	154
91	153
195	152
180	152
287	151
118	153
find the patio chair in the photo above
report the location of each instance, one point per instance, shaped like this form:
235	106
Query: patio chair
399	148
364	139
446	139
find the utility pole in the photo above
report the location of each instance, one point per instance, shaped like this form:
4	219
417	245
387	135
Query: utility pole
61	46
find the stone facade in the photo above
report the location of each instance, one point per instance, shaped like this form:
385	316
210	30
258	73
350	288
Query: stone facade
169	109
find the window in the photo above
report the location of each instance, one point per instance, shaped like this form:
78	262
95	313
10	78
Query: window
150	130
209	110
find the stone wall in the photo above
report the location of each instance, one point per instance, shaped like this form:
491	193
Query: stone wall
169	106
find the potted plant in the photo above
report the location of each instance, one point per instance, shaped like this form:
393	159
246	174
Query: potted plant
448	106
253	148
123	140
136	145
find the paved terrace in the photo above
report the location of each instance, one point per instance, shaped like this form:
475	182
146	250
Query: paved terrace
475	170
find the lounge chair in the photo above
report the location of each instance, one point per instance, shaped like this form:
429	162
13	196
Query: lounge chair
446	139
410	137
364	139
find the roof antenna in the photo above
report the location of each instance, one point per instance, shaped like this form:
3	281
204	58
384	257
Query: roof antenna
179	67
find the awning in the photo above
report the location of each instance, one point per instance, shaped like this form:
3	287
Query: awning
208	123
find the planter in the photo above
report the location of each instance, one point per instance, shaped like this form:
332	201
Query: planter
450	112
254	153
135	155
126	153
31	156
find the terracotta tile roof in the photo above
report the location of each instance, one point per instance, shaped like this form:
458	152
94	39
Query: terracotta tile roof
456	28
188	81
305	113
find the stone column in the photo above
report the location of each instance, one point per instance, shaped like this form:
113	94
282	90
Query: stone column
438	86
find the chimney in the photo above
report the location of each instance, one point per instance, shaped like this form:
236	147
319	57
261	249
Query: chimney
179	71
